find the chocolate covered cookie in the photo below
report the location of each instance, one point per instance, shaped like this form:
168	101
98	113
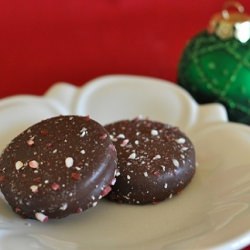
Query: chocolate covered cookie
155	160
57	167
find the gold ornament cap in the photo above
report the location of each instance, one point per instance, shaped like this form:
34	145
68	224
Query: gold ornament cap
231	23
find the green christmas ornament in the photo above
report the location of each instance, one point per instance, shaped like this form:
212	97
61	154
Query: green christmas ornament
215	65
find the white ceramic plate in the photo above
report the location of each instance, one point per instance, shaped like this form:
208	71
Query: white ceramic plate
211	213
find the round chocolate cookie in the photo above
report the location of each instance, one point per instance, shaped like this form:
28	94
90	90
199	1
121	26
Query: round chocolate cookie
155	161
57	167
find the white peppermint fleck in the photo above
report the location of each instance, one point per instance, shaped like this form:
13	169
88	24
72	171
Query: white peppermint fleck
128	177
170	196
182	156
121	136
132	156
184	148
64	206
69	162
41	217
82	151
136	142
34	188
83	132
46	181
18	165
94	204
154	132
70	194
117	172
163	167
93	197
129	163
165	185
157	157
54	151
112	138
181	140
145	174
176	163
78	168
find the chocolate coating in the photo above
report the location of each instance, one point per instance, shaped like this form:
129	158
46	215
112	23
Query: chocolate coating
155	160
57	167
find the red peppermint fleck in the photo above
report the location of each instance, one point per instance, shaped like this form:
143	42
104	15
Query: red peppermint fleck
2	178
17	209
104	136
87	118
37	179
55	186
33	164
79	210
155	202
76	176
48	145
44	132
157	173
105	191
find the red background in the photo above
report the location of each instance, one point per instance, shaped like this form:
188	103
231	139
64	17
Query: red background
42	42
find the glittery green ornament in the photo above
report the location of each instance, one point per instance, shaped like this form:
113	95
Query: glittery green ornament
215	65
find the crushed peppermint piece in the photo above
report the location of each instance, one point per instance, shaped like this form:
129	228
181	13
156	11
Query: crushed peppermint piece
93	197
31	142
121	136
34	188
105	191
157	157
79	210
78	168
55	186
154	132
163	168
46	181
176	163
18	165
181	140
33	164
113	181
104	136
70	194
82	152
75	176
54	151
132	156
69	162
170	196
94	204
128	177
41	217
184	148
44	132
83	132
136	142
117	172
124	142
145	174
165	185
